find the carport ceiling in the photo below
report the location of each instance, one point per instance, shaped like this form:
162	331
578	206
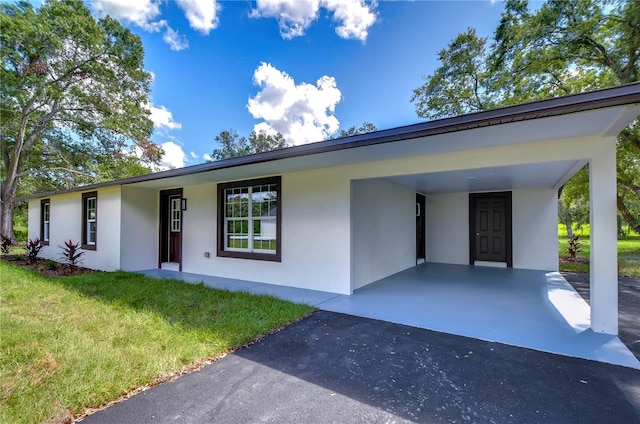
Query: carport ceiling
539	175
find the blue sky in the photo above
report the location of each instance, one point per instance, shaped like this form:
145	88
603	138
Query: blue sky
304	68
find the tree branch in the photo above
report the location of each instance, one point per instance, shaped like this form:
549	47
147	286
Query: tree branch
627	136
626	214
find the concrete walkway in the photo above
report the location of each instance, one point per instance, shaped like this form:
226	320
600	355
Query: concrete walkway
524	308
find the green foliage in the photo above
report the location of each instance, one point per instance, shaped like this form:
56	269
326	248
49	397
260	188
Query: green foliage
20	234
628	252
72	343
460	84
51	265
366	127
232	145
561	47
73	92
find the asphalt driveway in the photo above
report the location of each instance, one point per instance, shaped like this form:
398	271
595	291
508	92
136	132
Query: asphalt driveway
334	368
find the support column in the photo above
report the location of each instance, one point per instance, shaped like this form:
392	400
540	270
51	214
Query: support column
604	243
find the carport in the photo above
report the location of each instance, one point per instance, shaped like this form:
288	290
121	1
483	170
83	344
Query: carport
526	308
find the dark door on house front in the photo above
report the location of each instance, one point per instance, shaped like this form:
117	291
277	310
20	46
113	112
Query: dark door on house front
420	230
171	226
490	227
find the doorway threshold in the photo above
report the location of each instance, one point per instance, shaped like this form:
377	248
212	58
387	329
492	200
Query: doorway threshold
490	264
170	266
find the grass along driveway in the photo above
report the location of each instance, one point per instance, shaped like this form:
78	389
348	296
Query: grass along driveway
628	253
73	343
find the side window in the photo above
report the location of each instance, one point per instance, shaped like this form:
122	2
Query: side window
90	220
45	221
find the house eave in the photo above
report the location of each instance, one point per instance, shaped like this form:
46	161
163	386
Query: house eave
605	98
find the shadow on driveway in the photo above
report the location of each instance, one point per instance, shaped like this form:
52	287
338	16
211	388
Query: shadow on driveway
335	368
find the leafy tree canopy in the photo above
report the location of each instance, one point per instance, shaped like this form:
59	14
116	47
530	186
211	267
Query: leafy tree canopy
366	127
74	93
233	145
562	47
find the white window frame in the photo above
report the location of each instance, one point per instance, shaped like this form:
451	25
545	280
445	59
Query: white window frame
246	189
175	210
89	205
91	219
251	222
46	221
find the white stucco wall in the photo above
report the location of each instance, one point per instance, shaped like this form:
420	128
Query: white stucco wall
139	229
33	219
65	216
107	254
315	235
535	229
384	239
447	223
66	224
534	225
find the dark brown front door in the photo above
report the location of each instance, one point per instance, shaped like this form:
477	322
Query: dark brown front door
420	231
490	227
171	226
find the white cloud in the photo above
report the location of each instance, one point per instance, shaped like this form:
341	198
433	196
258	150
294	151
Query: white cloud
175	40
207	157
354	17
293	16
193	154
201	14
162	118
174	156
302	113
142	13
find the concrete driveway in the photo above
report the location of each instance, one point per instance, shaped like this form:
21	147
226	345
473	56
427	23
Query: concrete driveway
335	368
628	306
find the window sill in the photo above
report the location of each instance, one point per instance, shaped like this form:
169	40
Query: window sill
88	247
248	255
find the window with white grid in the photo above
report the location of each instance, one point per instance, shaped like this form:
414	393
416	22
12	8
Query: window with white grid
250	219
45	221
90	220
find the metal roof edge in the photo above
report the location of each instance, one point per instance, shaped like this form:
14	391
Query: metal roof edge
606	97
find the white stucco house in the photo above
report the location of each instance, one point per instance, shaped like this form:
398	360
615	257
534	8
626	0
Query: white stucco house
478	189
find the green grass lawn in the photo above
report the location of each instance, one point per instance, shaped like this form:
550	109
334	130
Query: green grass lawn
628	253
72	343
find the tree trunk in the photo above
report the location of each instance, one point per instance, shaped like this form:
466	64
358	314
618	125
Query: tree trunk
6	221
626	214
7	204
569	224
564	214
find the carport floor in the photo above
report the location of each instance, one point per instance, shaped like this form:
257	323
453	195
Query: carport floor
526	308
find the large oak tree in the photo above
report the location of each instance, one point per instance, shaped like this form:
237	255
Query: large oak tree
561	47
73	93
